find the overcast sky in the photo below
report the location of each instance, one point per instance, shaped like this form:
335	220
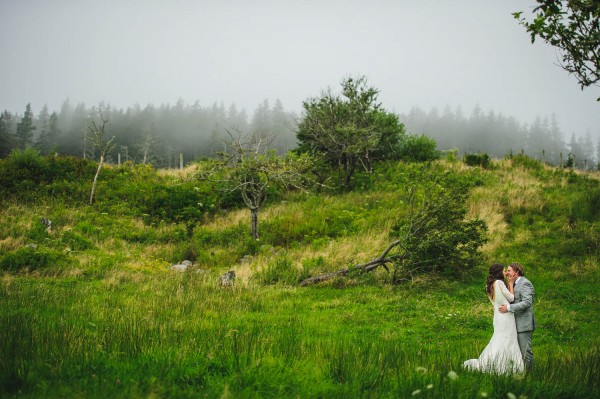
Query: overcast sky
422	53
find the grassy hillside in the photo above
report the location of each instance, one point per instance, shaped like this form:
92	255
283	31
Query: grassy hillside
92	309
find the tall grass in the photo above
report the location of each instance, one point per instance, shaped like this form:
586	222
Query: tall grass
184	336
102	315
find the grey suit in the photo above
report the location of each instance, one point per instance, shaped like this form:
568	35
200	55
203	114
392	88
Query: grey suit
522	307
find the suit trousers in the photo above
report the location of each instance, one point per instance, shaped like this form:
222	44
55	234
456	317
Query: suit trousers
524	339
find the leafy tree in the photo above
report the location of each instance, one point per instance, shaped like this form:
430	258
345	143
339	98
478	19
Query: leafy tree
25	129
573	26
250	167
350	130
419	149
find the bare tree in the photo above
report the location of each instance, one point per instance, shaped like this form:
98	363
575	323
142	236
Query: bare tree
96	136
250	167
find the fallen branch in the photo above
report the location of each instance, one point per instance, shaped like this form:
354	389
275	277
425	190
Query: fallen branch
364	267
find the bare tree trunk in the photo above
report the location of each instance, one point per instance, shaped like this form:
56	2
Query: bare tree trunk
96	178
254	222
365	267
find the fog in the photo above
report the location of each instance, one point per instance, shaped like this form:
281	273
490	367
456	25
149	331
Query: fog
423	54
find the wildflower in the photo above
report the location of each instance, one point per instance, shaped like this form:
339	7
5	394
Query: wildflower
511	395
483	394
415	393
421	369
453	376
429	386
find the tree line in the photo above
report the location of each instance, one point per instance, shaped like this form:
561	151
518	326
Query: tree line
154	135
498	135
158	135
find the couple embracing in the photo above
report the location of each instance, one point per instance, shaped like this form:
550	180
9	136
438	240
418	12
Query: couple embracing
509	350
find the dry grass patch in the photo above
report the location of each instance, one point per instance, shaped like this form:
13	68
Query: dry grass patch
484	204
231	218
186	172
522	236
11	243
521	191
585	266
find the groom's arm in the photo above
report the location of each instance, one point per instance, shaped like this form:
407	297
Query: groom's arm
526	299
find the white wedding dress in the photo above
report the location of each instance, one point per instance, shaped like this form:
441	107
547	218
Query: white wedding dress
502	355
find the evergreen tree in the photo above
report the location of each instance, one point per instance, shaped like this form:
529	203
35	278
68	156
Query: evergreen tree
42	142
53	131
554	145
587	150
261	120
576	152
538	135
283	126
7	137
25	129
598	155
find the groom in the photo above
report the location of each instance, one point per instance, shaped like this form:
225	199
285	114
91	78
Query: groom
522	307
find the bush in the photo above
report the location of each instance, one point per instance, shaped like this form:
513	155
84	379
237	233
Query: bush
32	259
22	172
479	159
26	174
436	236
526	162
76	242
419	149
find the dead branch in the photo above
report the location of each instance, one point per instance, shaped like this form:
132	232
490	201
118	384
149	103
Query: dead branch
364	267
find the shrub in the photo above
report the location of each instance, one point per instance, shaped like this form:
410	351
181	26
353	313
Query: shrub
436	235
76	242
527	162
32	259
37	232
479	159
419	149
22	172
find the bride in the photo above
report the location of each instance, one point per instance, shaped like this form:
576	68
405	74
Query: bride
502	355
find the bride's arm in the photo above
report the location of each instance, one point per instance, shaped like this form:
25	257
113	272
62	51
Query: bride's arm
508	293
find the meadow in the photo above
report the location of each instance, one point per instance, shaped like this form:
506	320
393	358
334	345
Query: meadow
91	308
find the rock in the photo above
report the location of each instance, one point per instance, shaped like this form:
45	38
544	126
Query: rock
47	223
247	259
180	267
228	278
183	266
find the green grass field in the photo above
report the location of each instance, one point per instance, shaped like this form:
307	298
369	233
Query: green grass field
93	311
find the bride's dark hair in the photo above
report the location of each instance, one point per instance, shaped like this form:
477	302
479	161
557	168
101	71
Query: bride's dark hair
496	273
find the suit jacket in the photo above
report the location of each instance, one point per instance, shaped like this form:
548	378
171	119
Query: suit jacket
522	306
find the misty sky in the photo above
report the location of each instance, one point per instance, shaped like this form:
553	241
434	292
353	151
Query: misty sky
422	53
